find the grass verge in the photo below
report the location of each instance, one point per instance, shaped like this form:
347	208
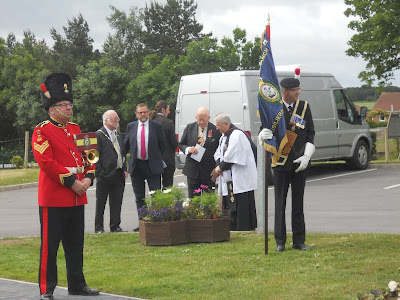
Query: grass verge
338	266
18	176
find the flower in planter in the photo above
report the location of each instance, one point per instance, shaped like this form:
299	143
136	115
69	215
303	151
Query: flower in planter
391	292
203	206
163	206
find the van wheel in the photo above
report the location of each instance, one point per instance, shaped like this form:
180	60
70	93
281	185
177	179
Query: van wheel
361	157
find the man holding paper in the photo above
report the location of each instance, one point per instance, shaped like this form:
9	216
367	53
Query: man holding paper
199	142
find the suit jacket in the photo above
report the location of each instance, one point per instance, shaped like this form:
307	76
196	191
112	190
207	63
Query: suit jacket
172	142
107	164
303	136
190	139
156	146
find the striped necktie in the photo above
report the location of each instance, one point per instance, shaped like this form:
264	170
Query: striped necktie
116	146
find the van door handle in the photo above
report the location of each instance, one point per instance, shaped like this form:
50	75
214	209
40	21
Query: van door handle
337	124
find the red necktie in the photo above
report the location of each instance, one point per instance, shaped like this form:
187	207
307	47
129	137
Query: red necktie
142	144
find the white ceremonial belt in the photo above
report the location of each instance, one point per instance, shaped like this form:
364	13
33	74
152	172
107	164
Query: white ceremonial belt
76	170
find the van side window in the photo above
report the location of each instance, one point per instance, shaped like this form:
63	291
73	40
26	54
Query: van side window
345	108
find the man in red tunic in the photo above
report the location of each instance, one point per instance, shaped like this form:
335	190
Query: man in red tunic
63	182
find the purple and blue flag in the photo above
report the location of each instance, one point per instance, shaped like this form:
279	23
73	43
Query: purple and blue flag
270	105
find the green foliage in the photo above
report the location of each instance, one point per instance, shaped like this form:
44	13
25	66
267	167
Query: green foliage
73	50
202	57
203	206
373	124
163	205
377	112
17	161
22	71
156	82
368	93
170	27
98	88
377	38
125	48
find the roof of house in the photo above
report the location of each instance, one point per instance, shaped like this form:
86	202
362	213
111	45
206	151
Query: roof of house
387	100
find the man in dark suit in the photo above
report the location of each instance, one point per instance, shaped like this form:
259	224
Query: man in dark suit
110	172
145	141
291	171
160	114
205	134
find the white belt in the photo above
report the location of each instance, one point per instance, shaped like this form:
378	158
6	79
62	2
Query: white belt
75	170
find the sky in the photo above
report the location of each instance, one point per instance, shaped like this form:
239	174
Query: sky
309	33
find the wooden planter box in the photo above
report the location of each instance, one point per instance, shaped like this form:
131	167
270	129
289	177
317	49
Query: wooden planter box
163	233
209	230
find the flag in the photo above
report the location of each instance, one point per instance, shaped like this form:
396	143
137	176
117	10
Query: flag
270	105
85	141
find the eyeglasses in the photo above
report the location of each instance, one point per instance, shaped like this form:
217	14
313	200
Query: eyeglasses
64	105
142	112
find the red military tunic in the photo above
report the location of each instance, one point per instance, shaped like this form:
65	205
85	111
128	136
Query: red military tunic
55	150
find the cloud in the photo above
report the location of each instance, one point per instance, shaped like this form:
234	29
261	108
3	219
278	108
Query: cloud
312	33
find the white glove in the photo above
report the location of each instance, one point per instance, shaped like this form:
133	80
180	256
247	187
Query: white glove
303	160
264	134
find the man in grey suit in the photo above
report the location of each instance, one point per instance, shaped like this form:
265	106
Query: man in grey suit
145	141
110	172
203	133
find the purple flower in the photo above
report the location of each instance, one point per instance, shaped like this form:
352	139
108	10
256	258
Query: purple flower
198	191
204	186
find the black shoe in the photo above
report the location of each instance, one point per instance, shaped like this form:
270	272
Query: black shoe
86	291
46	296
301	247
118	229
136	229
100	231
280	248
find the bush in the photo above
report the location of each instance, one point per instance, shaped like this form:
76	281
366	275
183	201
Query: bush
373	124
203	206
17	161
163	206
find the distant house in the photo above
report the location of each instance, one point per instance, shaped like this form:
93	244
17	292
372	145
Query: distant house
387	102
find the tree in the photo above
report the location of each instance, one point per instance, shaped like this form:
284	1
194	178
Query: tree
202	57
377	38
98	87
170	28
125	47
73	50
22	71
159	80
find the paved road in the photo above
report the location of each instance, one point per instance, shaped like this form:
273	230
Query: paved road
19	214
337	199
341	200
19	290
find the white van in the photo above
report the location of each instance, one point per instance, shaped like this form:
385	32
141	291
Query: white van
341	132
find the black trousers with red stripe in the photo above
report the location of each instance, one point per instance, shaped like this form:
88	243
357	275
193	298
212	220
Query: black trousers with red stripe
65	224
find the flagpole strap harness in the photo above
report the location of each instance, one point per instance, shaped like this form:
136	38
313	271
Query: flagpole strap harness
296	121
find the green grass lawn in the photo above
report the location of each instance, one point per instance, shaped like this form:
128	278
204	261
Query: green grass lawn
367	104
18	176
338	266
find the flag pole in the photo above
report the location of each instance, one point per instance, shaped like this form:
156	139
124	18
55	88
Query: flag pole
267	163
